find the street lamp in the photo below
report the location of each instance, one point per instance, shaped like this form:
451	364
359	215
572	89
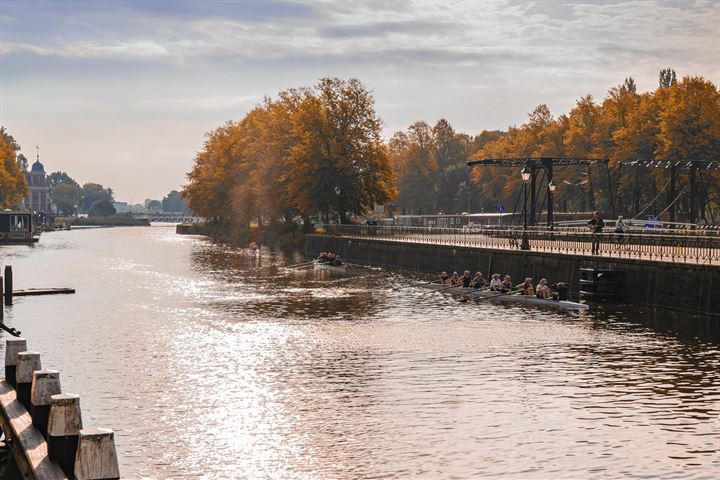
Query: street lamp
525	174
551	215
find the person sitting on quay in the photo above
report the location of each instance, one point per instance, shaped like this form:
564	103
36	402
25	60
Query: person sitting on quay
543	290
495	283
620	225
506	286
478	281
526	288
466	279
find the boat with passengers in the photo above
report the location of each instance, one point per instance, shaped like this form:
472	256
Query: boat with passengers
506	297
329	261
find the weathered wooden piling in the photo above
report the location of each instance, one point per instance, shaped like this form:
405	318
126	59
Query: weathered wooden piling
13	346
64	425
96	457
45	384
27	363
8	285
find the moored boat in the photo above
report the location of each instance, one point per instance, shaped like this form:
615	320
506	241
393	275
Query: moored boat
508	297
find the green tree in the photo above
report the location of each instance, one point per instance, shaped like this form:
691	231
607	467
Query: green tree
630	85
56	178
94	192
22	162
66	196
174	203
102	208
667	78
153	205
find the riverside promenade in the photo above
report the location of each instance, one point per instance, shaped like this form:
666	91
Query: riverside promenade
664	269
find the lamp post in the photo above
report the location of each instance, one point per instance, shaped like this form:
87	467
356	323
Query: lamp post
525	174
337	199
551	191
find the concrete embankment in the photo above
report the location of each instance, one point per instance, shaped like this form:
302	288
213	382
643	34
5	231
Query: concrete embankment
663	284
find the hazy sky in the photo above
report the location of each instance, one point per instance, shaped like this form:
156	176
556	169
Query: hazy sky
122	93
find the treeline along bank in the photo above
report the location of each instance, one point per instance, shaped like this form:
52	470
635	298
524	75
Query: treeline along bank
317	153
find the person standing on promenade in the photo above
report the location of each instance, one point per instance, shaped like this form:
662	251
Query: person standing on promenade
596	225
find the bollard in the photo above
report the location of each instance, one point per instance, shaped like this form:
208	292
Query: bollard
8	285
63	430
13	346
96	457
27	363
45	384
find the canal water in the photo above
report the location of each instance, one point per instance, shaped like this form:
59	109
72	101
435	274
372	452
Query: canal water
209	362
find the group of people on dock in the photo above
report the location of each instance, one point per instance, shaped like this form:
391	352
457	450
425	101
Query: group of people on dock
330	258
542	290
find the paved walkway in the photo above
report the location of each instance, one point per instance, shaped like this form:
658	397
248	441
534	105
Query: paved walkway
656	253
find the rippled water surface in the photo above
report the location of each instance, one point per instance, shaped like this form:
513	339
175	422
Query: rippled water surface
213	363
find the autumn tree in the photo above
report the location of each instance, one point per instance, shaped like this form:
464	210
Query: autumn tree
310	153
13	186
340	166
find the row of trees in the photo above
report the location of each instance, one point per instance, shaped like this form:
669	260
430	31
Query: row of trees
431	171
90	198
309	151
677	122
318	152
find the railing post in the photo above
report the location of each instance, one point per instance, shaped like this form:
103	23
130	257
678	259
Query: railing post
45	384
13	346
63	431
27	363
96	457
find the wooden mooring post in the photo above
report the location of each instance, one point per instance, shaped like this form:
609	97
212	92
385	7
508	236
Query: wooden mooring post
43	427
8	285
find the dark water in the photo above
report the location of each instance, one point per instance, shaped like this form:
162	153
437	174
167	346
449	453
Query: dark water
213	363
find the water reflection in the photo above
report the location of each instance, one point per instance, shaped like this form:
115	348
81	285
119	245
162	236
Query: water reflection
213	363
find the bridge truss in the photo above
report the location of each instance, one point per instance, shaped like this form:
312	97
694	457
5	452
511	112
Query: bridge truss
546	165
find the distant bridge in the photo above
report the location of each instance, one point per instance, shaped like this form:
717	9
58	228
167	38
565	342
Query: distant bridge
168	217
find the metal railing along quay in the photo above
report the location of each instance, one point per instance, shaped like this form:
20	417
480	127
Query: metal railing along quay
693	248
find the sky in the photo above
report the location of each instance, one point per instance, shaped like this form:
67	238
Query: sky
122	93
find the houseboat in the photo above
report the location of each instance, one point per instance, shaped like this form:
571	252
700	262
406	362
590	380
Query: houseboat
17	227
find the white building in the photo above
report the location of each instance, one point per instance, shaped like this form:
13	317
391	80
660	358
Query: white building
38	198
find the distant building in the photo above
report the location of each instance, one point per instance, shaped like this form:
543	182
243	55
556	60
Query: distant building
38	198
121	207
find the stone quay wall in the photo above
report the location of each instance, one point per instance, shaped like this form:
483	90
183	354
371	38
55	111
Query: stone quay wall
682	286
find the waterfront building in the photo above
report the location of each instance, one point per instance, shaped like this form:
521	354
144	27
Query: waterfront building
38	198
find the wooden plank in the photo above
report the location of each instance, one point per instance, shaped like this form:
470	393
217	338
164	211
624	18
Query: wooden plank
28	445
41	291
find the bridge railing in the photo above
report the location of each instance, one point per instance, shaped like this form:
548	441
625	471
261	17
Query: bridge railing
699	249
